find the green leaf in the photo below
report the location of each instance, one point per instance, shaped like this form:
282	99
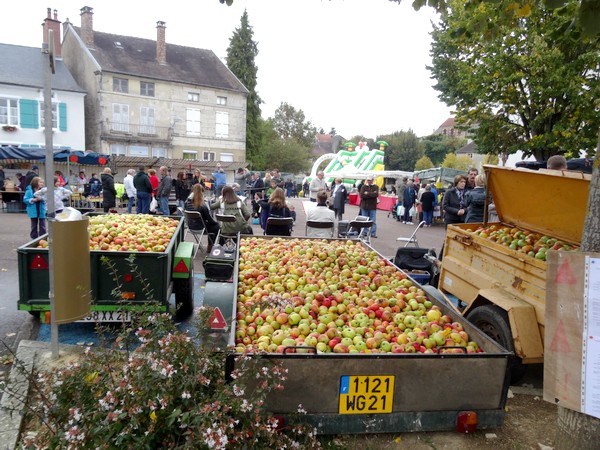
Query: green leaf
589	17
418	4
554	4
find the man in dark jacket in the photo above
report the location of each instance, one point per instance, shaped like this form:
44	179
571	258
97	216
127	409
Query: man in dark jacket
141	182
34	172
109	193
409	198
164	190
369	193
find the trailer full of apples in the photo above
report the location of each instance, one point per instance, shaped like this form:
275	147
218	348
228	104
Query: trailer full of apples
523	241
335	296
129	232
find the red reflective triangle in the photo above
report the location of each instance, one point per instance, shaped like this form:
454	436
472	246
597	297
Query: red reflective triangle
560	341
38	262
217	321
181	267
565	275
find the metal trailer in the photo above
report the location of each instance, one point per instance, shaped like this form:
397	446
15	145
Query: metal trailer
157	276
425	392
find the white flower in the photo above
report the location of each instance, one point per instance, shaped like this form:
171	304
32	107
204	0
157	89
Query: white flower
186	394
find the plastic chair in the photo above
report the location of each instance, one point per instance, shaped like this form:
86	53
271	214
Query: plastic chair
413	237
194	216
318	225
279	226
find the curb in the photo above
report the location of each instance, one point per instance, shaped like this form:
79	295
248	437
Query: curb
11	407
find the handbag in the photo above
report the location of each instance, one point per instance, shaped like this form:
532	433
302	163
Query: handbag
124	196
218	265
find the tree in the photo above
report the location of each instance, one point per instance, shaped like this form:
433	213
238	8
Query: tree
289	123
527	87
437	146
491	159
461	162
241	53
288	155
423	163
403	152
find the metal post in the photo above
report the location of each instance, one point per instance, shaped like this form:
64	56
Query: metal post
48	49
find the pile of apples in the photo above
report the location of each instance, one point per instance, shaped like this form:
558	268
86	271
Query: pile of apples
523	241
335	296
129	232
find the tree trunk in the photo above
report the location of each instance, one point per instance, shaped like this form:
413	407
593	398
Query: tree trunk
577	431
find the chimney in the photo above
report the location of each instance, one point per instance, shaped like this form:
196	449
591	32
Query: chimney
161	45
87	26
53	24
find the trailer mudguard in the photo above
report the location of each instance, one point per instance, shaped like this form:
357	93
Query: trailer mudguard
526	332
182	262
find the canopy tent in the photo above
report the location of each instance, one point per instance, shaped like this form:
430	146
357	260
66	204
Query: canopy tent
60	155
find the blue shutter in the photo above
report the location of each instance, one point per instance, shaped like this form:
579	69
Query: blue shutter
29	113
62	116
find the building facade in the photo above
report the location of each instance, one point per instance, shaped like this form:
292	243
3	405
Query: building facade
152	99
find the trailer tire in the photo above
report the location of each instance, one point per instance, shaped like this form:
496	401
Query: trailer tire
184	296
493	321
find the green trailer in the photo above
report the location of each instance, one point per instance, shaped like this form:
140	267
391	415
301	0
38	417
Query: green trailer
153	277
424	392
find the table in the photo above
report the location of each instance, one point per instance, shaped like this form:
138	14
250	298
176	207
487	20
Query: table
386	203
13	201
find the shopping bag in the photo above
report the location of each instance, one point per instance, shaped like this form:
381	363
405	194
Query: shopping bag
400	211
153	205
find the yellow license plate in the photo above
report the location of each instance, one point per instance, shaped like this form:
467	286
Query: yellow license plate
366	394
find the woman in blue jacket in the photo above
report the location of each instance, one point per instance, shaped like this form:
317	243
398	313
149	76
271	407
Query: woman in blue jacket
36	208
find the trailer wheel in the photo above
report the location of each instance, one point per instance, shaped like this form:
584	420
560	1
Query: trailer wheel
184	296
493	321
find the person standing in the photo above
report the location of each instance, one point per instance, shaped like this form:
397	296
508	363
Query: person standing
2	178
109	193
35	170
241	177
317	185
21	181
409	198
453	203
60	194
143	187
164	190
220	180
154	181
428	202
471	174
183	189
305	188
36	208
369	192
95	186
475	201
339	194
129	189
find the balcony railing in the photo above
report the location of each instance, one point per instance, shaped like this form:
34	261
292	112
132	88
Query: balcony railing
150	132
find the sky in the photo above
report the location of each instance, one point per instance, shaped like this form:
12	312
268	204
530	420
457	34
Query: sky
356	65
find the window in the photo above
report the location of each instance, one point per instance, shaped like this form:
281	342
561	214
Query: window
54	115
117	149
121	85
158	152
192	119
226	157
138	150
120	117
193	97
222	125
208	156
147	120
146	89
190	154
9	113
221	101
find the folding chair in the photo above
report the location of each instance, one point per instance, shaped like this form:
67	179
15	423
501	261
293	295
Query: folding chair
356	228
316	226
194	216
413	237
223	218
279	226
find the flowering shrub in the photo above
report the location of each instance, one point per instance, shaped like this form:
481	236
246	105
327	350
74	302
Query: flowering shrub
158	387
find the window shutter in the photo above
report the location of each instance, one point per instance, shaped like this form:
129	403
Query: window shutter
29	113
62	116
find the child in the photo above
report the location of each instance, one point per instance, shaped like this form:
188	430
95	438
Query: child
36	208
60	193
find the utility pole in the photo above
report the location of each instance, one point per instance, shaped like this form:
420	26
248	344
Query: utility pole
48	49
